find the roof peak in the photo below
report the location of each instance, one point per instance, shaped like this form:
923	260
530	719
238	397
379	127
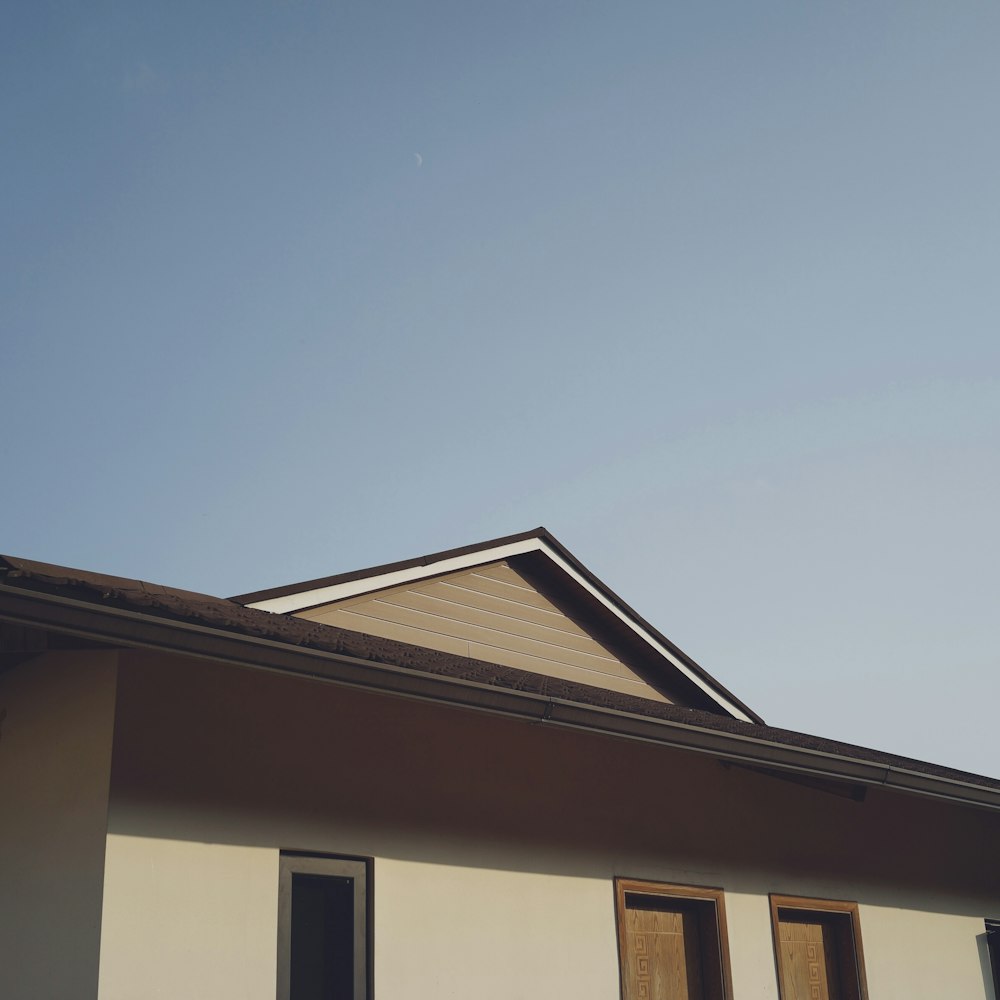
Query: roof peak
272	593
538	545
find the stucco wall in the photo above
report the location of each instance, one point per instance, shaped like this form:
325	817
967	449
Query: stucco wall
919	954
55	759
495	843
187	919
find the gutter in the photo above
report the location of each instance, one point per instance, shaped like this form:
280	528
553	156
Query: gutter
119	626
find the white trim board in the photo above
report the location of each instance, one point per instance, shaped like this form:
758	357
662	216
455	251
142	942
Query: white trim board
334	593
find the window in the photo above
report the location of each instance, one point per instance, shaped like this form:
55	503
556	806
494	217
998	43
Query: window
672	942
993	947
817	948
323	928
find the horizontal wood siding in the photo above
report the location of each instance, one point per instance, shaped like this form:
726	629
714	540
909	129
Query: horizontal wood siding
491	613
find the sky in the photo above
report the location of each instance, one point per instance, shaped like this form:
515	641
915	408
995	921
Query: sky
709	290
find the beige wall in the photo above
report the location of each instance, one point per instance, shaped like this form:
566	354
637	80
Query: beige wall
199	921
917	954
55	759
455	933
492	613
495	843
188	920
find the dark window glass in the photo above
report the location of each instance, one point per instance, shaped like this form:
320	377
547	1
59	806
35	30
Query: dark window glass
993	946
322	938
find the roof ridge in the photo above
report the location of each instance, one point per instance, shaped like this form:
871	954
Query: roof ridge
350	576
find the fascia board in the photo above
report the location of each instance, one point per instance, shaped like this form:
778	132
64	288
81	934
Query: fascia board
292	603
628	620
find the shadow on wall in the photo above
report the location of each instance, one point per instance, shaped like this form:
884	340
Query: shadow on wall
222	754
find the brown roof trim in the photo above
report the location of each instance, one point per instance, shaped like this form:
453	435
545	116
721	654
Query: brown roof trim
65	576
552	542
688	661
360	574
131	613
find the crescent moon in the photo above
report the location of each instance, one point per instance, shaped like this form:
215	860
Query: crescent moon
419	159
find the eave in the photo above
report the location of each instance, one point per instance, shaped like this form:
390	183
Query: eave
727	741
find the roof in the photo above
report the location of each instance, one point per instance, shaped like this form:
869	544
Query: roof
132	613
549	556
308	586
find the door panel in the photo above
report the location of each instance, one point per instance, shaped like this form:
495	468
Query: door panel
664	954
817	945
809	966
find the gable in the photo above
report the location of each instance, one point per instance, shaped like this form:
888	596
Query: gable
651	662
493	613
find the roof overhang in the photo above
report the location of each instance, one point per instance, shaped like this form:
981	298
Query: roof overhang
129	628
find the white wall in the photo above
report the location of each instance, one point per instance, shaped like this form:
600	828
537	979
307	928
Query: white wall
55	758
199	921
916	954
188	920
455	933
495	845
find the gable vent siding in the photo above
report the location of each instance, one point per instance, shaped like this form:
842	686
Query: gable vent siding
491	613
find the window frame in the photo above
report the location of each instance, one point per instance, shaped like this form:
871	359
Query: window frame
993	951
710	895
820	908
359	871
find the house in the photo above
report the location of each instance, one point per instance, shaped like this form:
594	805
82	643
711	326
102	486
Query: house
474	774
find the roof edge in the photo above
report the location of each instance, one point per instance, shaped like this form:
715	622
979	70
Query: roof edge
734	741
272	593
318	592
655	633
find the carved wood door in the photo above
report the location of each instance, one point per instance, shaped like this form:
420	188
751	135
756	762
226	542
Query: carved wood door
664	955
809	960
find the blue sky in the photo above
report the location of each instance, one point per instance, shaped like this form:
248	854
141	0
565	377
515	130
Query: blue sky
710	290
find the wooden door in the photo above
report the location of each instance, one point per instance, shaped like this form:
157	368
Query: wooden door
663	951
809	959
